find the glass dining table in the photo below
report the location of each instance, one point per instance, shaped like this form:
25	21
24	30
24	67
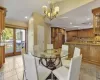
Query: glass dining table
50	58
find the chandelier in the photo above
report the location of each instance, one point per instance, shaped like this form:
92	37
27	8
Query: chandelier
51	12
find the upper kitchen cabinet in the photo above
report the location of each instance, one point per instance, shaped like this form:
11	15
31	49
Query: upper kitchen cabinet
2	18
86	33
96	20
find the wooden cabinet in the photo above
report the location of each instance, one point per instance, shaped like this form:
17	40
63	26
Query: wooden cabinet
90	52
57	37
2	27
96	20
81	33
71	35
2	19
86	33
2	55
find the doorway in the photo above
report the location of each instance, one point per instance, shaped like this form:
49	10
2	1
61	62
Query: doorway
14	39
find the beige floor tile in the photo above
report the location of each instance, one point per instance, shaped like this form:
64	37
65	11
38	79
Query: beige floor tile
20	64
1	78
87	77
12	78
9	74
20	76
1	75
19	70
13	66
5	68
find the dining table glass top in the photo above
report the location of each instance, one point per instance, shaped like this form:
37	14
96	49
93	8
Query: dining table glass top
49	53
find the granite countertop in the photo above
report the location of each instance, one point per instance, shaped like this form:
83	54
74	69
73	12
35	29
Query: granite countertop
2	44
83	43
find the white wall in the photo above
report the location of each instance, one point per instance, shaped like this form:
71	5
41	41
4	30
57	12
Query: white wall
49	41
33	31
39	20
1	2
15	22
31	35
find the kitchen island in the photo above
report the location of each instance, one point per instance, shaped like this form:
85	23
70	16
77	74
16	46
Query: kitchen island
89	51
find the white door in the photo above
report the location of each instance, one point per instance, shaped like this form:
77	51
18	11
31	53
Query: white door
40	37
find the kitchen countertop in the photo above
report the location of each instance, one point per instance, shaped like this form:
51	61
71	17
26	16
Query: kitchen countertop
2	44
83	43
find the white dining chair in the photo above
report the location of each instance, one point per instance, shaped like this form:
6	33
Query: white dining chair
66	62
64	51
37	50
72	73
33	72
50	46
76	52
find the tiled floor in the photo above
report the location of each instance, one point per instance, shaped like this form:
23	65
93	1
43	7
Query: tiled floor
89	72
13	70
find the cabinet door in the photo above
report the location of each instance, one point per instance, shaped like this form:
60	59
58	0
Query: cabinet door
0	21
1	56
3	20
70	35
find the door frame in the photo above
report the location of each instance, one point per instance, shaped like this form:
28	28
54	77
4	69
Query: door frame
14	41
10	54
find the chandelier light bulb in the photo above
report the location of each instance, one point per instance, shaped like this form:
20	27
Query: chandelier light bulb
51	11
48	14
57	9
45	7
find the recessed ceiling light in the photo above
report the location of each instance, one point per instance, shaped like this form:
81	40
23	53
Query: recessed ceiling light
88	18
26	17
79	28
76	26
64	17
70	22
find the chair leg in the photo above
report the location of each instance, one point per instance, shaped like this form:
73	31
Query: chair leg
24	76
51	76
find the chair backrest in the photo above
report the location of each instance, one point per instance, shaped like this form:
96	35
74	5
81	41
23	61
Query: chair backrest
64	50
65	47
49	46
76	52
30	67
74	69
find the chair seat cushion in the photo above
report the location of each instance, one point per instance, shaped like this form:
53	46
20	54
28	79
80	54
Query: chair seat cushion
43	72
61	73
66	63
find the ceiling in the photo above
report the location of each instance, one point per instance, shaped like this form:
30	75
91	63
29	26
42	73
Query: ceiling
79	18
19	9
